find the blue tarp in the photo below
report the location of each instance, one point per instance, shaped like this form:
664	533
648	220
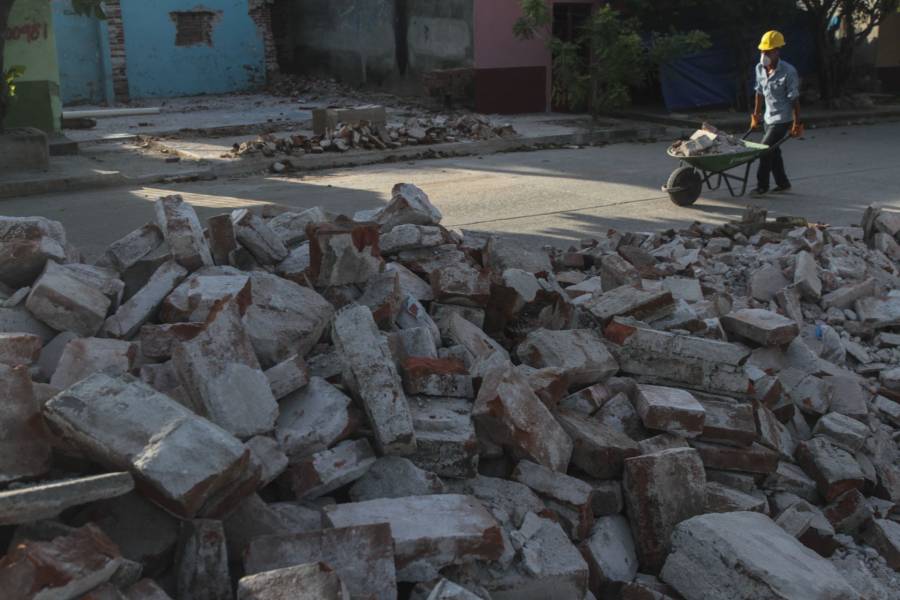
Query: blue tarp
710	78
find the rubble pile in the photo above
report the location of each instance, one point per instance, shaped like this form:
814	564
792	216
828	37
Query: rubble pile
365	135
707	141
286	404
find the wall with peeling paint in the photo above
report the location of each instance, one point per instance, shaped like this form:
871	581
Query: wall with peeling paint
376	43
231	59
166	47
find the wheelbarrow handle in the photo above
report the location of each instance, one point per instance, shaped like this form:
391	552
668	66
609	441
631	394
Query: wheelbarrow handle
746	135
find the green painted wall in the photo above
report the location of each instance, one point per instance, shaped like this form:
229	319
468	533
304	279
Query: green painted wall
31	42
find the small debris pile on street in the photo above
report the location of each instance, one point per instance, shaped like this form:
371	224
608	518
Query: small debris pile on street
304	405
364	135
707	141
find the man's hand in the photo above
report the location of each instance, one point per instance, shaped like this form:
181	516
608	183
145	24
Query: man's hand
755	118
796	129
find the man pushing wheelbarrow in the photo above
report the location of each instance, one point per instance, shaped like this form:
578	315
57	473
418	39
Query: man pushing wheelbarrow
778	86
709	154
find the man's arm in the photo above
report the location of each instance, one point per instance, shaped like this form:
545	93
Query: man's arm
756	118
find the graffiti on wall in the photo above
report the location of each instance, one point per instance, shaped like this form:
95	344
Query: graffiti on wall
27	32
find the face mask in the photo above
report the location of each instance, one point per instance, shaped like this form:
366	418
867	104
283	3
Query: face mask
765	60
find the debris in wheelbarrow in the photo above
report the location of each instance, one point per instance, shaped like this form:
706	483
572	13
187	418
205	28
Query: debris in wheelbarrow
706	141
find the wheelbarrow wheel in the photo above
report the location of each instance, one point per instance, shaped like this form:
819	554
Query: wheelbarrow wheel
684	186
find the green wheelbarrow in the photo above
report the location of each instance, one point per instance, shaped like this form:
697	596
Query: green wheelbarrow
686	182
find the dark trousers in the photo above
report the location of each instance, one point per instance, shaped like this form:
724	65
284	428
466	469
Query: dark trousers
772	162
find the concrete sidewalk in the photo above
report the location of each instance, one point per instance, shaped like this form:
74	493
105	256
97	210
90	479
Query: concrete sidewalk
124	162
738	122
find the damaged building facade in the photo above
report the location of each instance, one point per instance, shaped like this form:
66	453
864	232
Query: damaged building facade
464	49
462	52
163	48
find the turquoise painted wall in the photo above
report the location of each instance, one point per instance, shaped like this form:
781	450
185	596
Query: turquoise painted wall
83	44
157	67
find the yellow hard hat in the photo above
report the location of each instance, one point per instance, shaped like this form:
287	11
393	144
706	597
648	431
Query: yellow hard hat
771	40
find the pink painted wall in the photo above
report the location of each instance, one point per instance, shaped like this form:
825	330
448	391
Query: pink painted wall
495	45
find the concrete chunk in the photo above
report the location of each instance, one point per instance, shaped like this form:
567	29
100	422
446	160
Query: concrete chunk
410	237
846	296
202	561
834	470
849	512
142	306
222	238
84	356
884	536
343	252
328	470
806	274
628	301
124	253
610	554
409	205
728	422
508	413
670	409
66	567
774	565
285	318
26	244
123	423
47	500
683	361
184	235
446	443
291	226
442	377
429	532
599	450
288	376
19	349
395	477
363	557
313	419
256	236
220	373
313	581
568	497
24	442
66	303
661	490
372	377
410	283
615	272
753	459
579	352
267	457
761	326
193	300
842	430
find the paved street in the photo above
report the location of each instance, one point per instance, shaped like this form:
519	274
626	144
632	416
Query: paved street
554	196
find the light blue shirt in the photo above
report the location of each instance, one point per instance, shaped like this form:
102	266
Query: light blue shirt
780	89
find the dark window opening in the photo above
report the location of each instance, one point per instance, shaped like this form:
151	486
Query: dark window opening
193	28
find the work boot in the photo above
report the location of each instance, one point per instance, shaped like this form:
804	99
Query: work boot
782	188
759	191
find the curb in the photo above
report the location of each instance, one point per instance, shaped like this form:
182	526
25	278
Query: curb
319	162
833	120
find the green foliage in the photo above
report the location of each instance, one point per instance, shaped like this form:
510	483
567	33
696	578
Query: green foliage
90	8
9	78
617	59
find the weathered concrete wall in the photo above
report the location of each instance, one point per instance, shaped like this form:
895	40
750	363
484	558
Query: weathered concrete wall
440	34
349	39
380	43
